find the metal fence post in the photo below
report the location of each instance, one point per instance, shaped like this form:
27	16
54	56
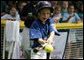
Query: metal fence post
4	45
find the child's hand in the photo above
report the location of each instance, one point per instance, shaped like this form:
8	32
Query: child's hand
10	18
45	41
50	40
41	41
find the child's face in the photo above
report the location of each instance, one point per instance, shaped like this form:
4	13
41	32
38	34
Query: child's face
71	9
65	4
13	11
57	11
44	14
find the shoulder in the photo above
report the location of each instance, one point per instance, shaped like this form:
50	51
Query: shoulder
75	13
17	13
35	24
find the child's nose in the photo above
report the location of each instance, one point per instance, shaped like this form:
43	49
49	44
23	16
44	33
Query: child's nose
45	15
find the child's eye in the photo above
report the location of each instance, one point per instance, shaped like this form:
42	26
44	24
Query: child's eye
43	13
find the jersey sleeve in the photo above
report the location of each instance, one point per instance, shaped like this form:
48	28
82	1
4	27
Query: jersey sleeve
77	17
35	31
53	28
5	16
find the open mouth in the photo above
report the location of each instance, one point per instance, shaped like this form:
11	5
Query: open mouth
44	18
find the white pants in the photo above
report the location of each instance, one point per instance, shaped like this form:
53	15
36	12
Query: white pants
39	55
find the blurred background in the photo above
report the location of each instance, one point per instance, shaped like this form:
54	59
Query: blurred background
26	11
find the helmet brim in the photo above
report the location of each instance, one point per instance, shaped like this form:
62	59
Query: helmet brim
51	9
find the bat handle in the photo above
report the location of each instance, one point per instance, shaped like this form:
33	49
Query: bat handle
48	55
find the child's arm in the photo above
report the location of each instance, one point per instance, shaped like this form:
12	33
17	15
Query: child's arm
53	28
78	18
50	39
69	18
3	18
9	18
41	41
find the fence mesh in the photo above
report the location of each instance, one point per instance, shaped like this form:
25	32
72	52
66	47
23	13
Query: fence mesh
76	50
